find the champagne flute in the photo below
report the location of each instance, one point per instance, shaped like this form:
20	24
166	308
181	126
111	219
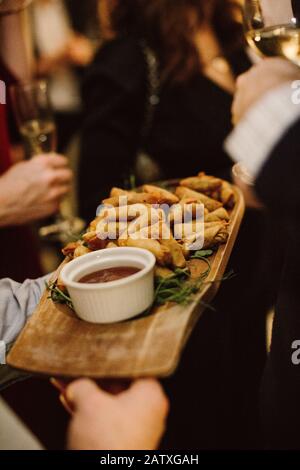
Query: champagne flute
272	28
36	123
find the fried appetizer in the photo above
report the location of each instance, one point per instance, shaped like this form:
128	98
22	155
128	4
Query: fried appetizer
178	259
123	213
110	230
76	249
95	242
117	192
216	216
131	198
69	249
163	272
81	250
171	233
162	195
227	195
186	209
156	232
215	235
185	230
112	245
202	183
161	253
210	204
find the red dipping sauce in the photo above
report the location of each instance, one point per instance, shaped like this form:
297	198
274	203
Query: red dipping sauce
109	275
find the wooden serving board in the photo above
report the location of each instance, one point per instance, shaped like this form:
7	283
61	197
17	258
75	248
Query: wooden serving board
55	342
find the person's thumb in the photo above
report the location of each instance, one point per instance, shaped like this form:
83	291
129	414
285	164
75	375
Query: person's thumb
149	393
83	391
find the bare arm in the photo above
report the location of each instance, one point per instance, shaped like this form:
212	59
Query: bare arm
15	44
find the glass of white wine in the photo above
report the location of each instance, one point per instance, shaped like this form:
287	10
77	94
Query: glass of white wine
36	123
273	28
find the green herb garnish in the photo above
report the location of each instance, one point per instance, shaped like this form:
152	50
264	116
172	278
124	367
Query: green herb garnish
58	296
178	288
202	254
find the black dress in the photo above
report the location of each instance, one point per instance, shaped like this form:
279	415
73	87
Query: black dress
189	128
214	392
278	187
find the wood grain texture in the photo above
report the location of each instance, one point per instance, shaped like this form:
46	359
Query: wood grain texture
55	342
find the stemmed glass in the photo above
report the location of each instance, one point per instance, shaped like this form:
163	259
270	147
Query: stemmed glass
272	28
36	123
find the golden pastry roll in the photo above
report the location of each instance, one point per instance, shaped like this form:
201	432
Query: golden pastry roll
112	214
209	203
111	230
186	209
69	249
178	259
131	198
106	231
186	201
227	195
112	245
157	231
213	236
117	192
202	183
162	195
123	213
163	272
184	230
81	250
217	215
97	243
149	218
161	253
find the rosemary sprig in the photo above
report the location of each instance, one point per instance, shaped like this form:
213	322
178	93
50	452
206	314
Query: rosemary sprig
57	295
178	288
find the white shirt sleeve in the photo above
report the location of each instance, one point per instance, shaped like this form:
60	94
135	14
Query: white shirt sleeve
17	303
254	138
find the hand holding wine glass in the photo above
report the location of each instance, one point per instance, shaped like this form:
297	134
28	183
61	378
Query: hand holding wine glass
273	28
37	126
32	190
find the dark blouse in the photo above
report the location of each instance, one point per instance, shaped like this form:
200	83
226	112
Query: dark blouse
190	124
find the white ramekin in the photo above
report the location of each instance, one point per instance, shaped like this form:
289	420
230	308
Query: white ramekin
112	301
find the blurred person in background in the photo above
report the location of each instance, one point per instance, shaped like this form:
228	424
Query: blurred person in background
197	51
63	35
266	141
28	191
31	190
157	104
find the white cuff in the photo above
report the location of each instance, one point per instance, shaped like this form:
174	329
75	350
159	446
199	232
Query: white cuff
2	353
253	139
